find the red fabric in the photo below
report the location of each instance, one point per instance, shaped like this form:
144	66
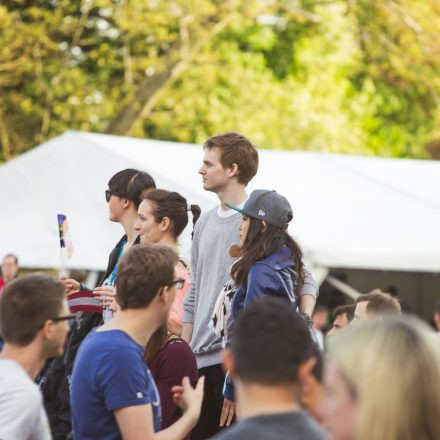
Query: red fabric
83	301
2	284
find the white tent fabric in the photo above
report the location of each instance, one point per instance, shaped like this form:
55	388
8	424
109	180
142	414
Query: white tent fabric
349	211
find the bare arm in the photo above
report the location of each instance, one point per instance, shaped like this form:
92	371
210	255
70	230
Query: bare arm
187	331
307	304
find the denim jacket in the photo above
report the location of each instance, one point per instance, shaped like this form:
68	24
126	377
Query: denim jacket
273	276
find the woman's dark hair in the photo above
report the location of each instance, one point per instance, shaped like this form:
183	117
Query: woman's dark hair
156	342
259	244
130	183
172	205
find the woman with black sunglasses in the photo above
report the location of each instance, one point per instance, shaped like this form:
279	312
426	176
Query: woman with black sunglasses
123	198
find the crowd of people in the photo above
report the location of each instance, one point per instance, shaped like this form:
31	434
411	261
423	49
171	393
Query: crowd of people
226	346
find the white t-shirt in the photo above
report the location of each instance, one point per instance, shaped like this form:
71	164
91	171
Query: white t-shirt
22	415
228	212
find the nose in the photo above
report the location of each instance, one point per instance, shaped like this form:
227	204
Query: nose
137	227
201	170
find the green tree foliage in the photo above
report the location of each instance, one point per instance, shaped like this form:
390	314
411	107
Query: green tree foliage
345	76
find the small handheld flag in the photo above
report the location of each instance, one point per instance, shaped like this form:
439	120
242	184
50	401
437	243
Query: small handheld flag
65	242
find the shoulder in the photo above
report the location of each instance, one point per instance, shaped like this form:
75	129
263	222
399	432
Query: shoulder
22	395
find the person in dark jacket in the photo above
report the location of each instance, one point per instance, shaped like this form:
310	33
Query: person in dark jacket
269	264
123	198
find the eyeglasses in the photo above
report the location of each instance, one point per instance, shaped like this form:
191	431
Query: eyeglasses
109	193
72	319
179	283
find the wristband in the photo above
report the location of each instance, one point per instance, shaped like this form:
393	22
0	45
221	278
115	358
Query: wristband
307	318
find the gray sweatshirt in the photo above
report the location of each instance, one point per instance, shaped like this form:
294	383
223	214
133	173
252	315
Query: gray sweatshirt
210	263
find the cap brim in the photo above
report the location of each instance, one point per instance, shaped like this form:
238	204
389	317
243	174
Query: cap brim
235	208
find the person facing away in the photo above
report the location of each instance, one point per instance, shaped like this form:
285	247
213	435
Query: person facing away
122	197
162	217
34	324
270	355
113	394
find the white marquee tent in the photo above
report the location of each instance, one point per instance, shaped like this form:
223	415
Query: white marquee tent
349	211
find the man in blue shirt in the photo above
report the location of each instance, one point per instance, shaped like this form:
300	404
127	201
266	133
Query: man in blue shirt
113	394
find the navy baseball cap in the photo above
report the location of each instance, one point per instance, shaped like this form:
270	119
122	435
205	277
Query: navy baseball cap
267	205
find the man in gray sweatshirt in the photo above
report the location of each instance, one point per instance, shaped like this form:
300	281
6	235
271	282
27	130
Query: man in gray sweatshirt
230	161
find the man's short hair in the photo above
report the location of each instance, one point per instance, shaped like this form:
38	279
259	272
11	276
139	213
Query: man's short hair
142	271
235	148
380	303
26	304
346	309
270	341
11	256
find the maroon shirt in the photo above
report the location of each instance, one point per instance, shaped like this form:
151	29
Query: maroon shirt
172	363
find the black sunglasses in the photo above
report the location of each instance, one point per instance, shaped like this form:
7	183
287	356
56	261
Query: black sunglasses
179	283
108	194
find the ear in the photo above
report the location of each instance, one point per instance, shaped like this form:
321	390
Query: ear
305	369
228	362
165	224
233	170
126	203
163	295
48	329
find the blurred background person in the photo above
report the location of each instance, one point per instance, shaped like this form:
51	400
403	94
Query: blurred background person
342	316
9	269
375	305
382	382
319	320
436	316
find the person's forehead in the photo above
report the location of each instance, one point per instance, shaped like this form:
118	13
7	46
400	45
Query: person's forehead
9	260
212	154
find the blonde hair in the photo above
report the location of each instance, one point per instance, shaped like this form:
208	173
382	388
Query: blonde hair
392	368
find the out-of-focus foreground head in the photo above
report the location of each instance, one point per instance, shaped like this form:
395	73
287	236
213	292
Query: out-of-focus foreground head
382	379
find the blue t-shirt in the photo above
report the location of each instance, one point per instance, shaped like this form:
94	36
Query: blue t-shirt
109	373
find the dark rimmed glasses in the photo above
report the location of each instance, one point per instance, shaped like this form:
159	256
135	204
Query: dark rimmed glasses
179	282
71	319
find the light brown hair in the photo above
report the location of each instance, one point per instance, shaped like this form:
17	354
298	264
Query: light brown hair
380	303
142	271
235	148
